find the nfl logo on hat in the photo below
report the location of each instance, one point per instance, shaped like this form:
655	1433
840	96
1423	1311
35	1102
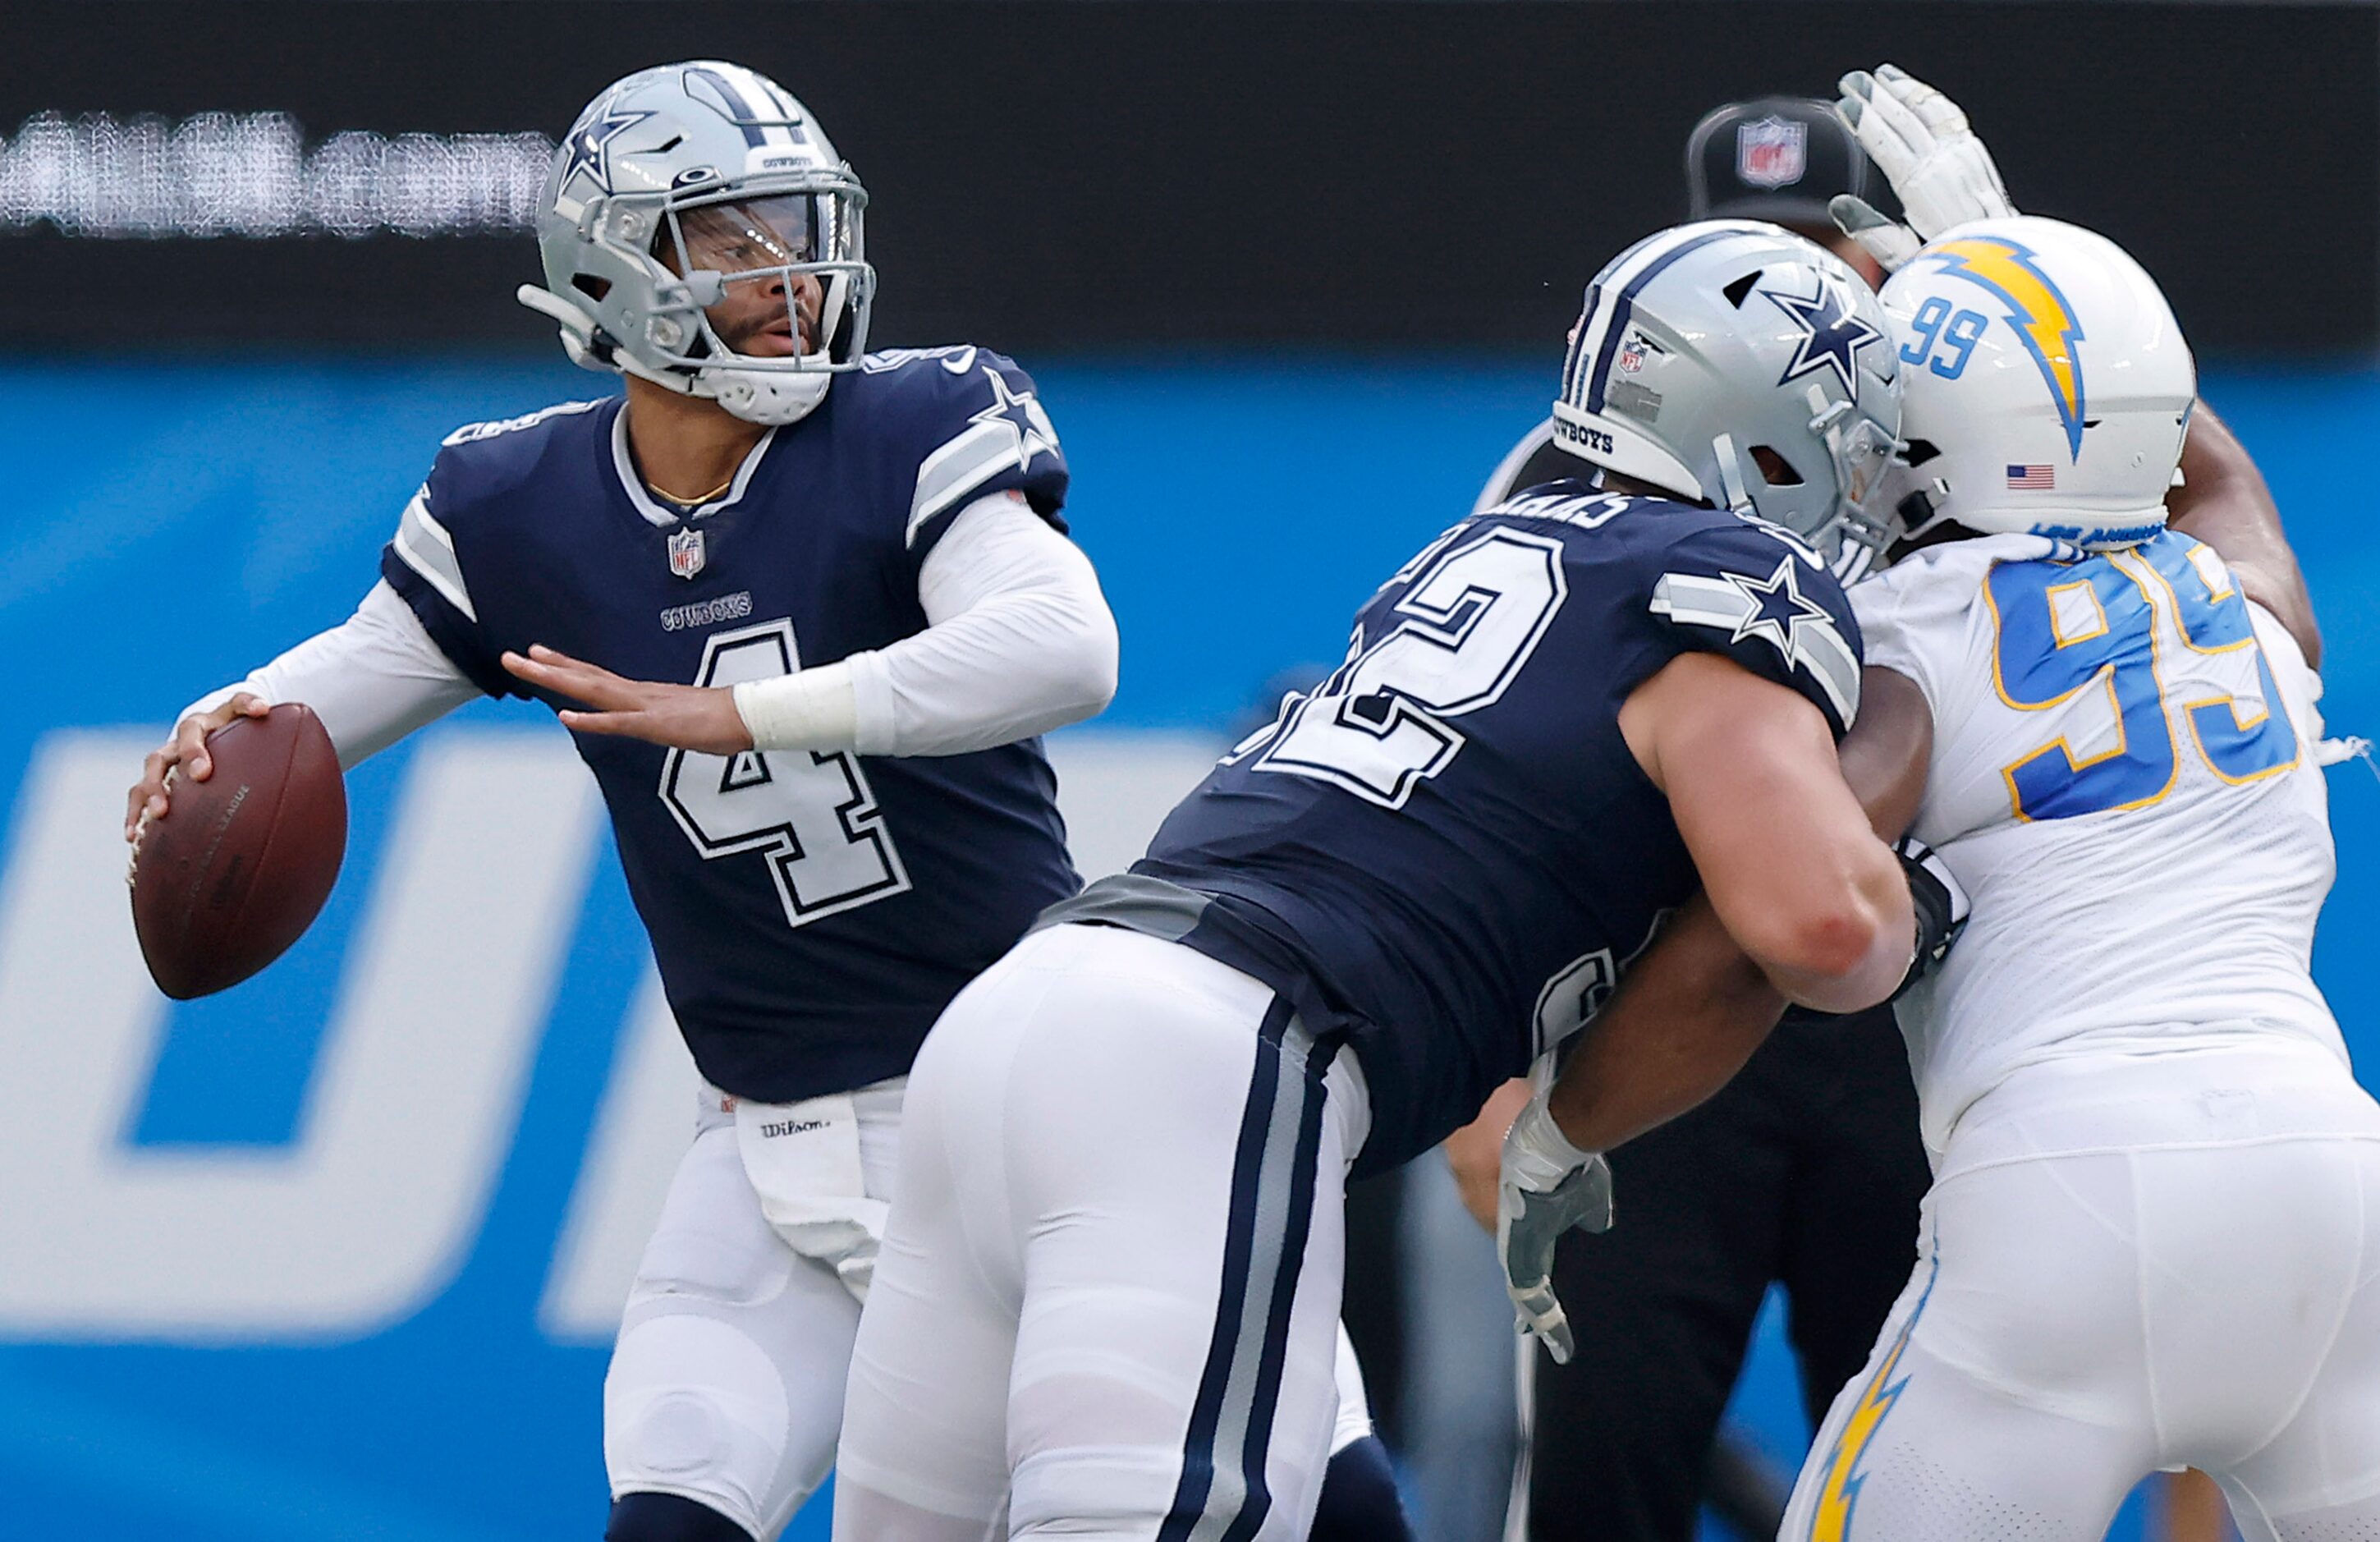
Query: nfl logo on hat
1771	151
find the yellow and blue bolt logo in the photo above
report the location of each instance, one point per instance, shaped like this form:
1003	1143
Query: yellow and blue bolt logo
2036	310
1831	1520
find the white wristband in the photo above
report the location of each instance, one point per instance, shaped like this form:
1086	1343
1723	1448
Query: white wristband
811	708
1536	1152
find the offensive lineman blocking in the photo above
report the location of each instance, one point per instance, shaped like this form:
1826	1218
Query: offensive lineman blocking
2148	1244
1106	1295
1105	1302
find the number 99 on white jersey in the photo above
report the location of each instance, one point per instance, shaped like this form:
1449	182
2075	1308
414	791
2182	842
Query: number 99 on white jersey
2120	778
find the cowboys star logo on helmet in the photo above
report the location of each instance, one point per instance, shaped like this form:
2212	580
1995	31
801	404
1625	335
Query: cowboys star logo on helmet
589	147
1833	333
1680	376
683	186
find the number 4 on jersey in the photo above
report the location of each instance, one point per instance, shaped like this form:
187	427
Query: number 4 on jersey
811	815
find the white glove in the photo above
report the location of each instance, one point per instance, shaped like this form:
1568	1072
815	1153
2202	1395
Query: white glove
1919	139
1546	1186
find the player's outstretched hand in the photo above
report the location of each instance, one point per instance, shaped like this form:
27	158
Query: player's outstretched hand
1546	1187
184	753
700	718
1920	140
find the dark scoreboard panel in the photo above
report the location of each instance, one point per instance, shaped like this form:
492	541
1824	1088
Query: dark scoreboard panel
1106	176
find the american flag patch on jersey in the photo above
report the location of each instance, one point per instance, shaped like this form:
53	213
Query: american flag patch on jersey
2031	477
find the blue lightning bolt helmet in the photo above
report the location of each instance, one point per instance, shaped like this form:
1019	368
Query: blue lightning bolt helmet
2046	386
1734	363
678	187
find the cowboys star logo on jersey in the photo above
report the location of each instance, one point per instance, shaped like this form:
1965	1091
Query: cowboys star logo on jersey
1832	334
1021	415
1774	609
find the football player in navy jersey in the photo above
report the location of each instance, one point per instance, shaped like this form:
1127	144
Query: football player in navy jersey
1105	1300
855	562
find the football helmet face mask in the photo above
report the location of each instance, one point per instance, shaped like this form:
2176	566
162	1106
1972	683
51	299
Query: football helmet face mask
2049	387
698	230
1736	363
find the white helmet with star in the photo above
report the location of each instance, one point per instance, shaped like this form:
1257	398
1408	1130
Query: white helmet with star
684	184
1736	363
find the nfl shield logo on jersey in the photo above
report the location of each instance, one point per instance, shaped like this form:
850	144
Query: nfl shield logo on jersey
686	553
1772	152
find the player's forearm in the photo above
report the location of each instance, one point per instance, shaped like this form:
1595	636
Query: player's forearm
1006	670
372	679
2224	502
1807	889
1019	644
1018	641
1885	756
1689	1015
1021	664
1855	955
1785	849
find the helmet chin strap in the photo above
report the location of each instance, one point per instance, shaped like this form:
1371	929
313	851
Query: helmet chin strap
769	397
1929	500
1731	475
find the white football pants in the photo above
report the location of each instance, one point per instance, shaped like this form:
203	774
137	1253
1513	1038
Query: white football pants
727	1383
1105	1307
2128	1264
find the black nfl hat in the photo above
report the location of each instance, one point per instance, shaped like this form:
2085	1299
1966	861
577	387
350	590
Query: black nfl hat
1779	159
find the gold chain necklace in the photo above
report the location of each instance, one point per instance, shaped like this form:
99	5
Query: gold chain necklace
667	496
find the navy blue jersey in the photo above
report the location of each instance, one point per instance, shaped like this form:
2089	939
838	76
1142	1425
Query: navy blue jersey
1448	846
810	913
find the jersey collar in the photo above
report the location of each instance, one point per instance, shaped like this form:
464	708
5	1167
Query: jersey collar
666	516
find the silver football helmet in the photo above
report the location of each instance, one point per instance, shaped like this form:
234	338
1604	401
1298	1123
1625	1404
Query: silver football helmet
1735	363
698	230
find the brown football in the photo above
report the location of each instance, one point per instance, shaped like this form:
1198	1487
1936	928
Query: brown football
239	866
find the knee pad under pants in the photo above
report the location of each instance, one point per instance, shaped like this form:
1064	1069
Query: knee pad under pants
726	1385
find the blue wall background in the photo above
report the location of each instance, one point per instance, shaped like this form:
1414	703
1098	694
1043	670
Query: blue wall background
171	525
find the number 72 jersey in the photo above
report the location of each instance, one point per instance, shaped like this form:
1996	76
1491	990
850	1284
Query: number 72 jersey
2123	778
1446	849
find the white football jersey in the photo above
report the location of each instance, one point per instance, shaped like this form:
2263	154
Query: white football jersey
2124	780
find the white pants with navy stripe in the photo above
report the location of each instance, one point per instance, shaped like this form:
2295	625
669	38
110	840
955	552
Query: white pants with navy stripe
1106	1306
2128	1263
